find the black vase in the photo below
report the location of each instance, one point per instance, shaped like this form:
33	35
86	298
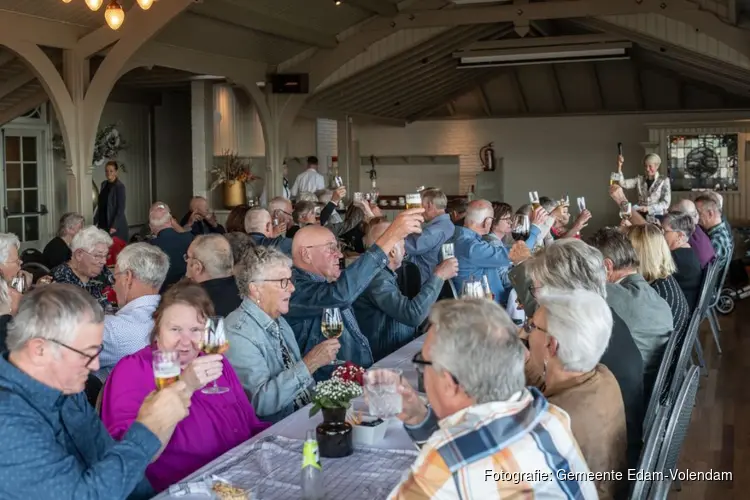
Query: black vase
334	434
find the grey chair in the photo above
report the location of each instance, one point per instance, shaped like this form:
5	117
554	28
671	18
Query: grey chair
674	436
649	456
664	379
702	309
713	318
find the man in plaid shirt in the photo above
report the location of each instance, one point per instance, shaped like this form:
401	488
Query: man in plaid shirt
495	439
710	219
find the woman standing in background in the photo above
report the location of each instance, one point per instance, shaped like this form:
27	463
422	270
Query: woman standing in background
110	211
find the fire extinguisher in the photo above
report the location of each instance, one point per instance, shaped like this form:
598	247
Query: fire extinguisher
487	157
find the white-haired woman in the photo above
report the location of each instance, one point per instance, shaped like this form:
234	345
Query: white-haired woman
567	336
654	190
262	347
86	267
57	251
6	307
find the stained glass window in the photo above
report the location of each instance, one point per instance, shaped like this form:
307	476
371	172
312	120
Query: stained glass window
705	161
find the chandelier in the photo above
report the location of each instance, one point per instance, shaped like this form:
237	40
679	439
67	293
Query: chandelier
114	13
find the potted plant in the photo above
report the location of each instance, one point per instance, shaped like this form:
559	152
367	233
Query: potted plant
232	172
334	397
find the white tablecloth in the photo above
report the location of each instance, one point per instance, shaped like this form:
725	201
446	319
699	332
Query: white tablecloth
296	425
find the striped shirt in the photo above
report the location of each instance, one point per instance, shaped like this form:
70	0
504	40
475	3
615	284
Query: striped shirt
669	290
521	448
723	243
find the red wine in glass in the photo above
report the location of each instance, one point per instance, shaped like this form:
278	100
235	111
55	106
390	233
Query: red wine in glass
520	235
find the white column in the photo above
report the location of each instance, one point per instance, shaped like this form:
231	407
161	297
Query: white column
326	143
348	166
276	135
202	130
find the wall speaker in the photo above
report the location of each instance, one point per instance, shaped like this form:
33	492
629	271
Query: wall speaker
298	83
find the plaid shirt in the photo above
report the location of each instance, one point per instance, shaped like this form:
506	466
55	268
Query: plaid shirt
722	241
519	448
657	198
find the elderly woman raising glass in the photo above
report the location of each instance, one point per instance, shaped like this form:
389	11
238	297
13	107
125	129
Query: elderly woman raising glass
654	191
217	422
567	336
262	346
86	267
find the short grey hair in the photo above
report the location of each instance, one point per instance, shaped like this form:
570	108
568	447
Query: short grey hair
254	265
69	221
679	222
569	264
256	220
581	322
687	206
215	253
8	240
476	342
88	238
652	158
709	201
478	213
436	197
616	246
307	196
301	209
53	312
148	263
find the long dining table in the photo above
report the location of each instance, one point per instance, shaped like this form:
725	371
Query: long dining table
271	460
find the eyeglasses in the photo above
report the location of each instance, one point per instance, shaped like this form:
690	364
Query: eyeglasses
534	290
529	326
283	282
420	363
90	357
98	258
331	247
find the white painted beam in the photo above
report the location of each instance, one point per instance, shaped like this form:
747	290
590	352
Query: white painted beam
380	7
38	30
14	111
16	82
227	12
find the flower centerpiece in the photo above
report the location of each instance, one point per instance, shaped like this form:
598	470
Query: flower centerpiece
334	397
233	173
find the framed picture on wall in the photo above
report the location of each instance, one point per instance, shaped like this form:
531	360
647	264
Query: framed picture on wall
703	161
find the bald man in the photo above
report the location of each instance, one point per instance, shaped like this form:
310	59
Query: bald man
199	220
478	258
210	263
393	318
320	284
172	242
699	240
259	225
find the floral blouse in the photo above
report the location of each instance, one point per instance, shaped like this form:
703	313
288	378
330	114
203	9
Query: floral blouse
657	198
97	287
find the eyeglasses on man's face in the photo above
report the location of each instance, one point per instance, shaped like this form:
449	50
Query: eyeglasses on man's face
420	364
332	247
90	357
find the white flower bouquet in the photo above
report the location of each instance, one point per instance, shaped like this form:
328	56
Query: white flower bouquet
334	393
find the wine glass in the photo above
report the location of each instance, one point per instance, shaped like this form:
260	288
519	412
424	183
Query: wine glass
472	289
520	227
215	342
626	210
332	326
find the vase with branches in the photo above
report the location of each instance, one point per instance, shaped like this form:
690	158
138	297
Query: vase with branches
235	175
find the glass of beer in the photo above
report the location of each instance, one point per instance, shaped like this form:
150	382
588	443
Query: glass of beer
447	251
166	365
332	326
215	342
615	178
534	199
413	200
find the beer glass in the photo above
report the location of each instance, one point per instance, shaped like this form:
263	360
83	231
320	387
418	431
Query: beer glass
166	365
534	199
413	200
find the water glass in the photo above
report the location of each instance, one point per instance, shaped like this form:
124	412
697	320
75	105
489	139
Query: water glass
381	392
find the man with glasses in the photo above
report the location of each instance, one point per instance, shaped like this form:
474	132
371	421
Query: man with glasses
210	263
54	445
321	284
495	437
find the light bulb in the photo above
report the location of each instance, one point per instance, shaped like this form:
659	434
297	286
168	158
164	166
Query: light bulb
94	4
67	1
145	4
114	15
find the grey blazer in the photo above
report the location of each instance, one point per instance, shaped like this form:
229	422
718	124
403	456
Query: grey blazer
115	211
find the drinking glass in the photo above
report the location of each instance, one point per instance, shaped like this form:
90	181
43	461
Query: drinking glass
215	342
626	211
581	204
447	251
520	227
534	199
413	200
166	365
381	392
338	181
472	290
565	201
358	197
19	283
615	178
332	326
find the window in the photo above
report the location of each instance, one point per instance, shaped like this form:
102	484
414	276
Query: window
705	161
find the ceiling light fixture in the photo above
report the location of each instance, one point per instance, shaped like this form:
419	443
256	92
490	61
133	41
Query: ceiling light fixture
114	15
145	4
94	4
67	1
337	2
543	51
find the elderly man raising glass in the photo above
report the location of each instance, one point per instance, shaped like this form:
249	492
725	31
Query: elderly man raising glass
424	249
321	284
140	271
391	317
262	347
259	225
54	445
86	268
473	366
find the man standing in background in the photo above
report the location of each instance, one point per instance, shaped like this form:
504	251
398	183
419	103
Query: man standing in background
310	180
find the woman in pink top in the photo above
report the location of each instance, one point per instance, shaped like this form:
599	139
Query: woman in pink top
217	422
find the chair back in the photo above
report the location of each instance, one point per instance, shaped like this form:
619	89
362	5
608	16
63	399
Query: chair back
709	295
32	255
664	377
674	436
721	279
649	456
36	269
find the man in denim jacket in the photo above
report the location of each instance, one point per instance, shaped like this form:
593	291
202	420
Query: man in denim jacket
320	283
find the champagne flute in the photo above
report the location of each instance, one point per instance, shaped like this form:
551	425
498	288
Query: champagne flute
520	227
215	342
472	289
166	365
332	326
581	203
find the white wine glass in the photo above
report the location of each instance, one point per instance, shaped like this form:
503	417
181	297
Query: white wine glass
332	326
215	342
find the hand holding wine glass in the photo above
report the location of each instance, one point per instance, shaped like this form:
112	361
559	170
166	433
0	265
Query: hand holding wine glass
215	342
520	227
519	252
332	327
